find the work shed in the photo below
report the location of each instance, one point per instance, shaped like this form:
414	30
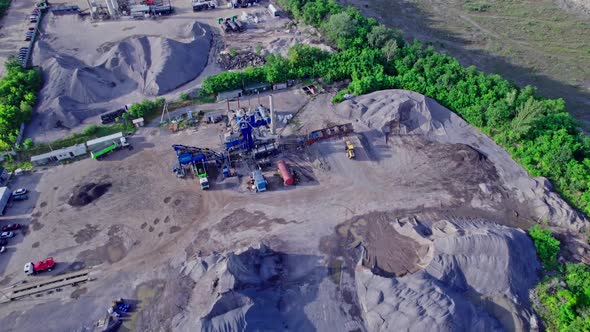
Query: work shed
229	95
257	87
4	196
61	154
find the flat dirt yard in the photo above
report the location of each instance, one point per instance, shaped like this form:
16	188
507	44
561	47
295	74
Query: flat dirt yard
137	225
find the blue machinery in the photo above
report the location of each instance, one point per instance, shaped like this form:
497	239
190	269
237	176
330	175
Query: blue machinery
242	124
189	155
240	138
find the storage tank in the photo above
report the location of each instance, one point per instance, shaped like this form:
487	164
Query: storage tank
285	174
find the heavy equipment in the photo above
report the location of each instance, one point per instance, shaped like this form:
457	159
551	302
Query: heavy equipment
114	145
349	150
198	158
329	132
242	123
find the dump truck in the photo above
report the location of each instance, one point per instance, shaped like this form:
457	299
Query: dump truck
202	175
350	150
45	265
114	145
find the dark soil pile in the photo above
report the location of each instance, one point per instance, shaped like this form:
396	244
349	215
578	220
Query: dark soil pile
240	60
87	193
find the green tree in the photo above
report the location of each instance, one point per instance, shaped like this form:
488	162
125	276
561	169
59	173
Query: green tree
276	69
389	50
340	29
526	115
379	35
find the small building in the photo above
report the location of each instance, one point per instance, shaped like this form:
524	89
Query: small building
214	117
257	88
61	154
138	122
99	142
230	95
279	86
4	197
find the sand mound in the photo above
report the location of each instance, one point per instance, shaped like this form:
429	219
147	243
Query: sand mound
477	279
143	64
87	193
397	114
253	289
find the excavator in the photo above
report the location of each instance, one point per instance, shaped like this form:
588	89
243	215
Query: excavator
350	150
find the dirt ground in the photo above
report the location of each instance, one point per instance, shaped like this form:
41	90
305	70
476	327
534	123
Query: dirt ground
528	42
144	226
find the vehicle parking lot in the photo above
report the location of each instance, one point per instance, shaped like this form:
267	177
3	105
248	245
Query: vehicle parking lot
15	25
18	212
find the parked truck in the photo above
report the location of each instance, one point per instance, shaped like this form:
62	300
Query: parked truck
45	265
114	145
259	182
202	175
199	5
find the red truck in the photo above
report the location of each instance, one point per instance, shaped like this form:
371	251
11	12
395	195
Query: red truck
45	265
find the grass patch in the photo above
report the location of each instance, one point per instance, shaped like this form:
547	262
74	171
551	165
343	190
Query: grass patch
477	6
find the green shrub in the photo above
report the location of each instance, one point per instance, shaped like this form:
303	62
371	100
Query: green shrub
28	143
184	96
547	246
477	6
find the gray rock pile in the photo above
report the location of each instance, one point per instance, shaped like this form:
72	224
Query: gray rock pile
240	60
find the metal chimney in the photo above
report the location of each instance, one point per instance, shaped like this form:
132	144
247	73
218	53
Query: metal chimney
272	115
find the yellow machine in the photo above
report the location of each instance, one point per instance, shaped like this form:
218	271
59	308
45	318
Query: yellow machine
349	150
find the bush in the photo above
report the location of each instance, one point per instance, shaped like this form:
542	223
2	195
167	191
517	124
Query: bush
477	6
28	143
184	96
547	246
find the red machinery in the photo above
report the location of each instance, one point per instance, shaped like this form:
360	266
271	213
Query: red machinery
285	173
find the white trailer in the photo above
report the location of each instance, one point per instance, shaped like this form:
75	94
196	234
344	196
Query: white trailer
102	141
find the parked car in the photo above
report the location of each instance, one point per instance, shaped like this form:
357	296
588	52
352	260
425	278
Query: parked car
33	20
20	198
20	191
3	242
11	227
6	235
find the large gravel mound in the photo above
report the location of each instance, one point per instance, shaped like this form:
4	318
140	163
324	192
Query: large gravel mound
478	279
141	64
400	113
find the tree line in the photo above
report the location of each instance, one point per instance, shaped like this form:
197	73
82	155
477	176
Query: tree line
18	95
